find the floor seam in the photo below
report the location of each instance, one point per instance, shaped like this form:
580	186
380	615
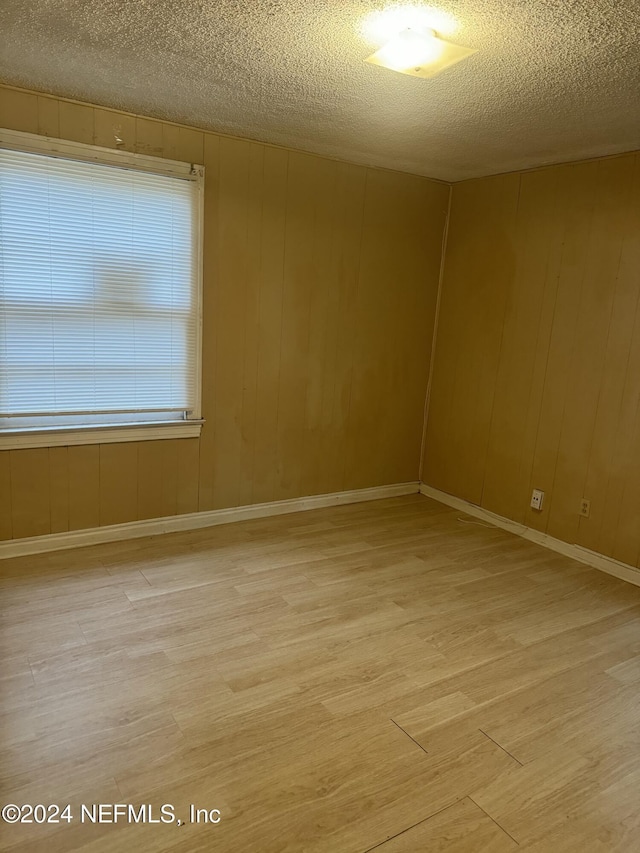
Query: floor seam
495	821
501	747
413	825
409	736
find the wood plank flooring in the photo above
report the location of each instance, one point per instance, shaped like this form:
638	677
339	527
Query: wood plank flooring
389	676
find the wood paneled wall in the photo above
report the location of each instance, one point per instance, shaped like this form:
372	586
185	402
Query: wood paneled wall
319	299
536	380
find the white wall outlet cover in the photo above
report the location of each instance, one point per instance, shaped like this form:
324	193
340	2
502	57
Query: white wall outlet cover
537	499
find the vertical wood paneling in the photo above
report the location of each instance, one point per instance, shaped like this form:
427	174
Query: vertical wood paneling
605	479
119	482
182	143
621	499
341	325
48	117
76	122
302	188
150	480
114	130
553	235
157	478
349	261
623	487
477	293
188	475
514	380
148	137
565	414
586	369
59	488
83	464
269	331
438	467
421	217
170	461
230	319
317	415
19	110
251	298
626	543
374	296
211	286
394	325
6	520
576	197
315	340
30	506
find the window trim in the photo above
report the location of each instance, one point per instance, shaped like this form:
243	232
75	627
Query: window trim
190	427
68	436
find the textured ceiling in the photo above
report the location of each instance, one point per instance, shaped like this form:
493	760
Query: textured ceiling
553	80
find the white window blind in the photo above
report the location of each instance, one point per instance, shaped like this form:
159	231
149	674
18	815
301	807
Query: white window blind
99	292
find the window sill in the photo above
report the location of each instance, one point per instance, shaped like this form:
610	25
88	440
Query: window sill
101	434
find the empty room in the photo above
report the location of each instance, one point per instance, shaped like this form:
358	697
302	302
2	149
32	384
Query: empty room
320	426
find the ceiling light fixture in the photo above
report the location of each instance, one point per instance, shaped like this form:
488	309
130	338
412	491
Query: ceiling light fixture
380	26
419	52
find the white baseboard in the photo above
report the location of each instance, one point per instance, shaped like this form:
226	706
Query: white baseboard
583	555
194	520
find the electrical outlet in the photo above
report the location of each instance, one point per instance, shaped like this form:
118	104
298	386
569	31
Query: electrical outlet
585	508
536	499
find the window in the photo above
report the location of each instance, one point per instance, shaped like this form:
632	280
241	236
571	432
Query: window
100	294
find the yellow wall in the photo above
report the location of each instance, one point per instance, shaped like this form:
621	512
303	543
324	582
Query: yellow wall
536	380
319	283
319	299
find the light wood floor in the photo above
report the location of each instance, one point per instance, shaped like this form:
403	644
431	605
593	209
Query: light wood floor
380	676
